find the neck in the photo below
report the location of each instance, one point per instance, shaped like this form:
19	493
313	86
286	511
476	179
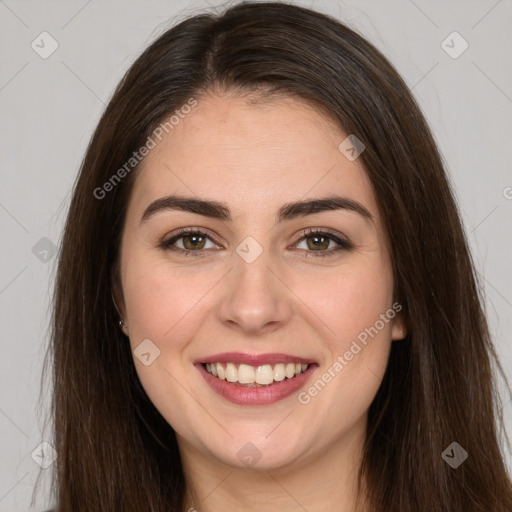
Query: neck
323	481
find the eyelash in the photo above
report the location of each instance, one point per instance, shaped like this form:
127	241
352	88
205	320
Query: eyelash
342	244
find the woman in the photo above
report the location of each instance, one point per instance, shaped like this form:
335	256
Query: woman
265	299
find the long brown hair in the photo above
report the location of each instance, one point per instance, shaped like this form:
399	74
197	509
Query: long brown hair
115	450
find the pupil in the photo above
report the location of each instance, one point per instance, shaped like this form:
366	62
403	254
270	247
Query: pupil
316	242
195	238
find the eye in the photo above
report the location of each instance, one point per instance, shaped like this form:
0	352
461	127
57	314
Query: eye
320	241
193	243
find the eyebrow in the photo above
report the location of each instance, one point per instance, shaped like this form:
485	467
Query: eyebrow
287	212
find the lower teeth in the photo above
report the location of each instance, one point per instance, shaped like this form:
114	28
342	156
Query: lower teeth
254	385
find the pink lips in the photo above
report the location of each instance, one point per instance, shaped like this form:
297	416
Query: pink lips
264	395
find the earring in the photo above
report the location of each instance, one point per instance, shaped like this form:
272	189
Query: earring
123	327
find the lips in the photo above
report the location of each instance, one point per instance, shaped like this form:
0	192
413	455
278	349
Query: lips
247	379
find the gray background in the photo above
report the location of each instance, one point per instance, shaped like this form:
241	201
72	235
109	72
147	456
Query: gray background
49	108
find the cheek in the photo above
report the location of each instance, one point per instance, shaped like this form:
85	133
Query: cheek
351	303
160	309
159	300
164	305
358	310
359	317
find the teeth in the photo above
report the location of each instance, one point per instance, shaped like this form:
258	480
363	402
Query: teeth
220	371
264	374
251	376
279	374
231	373
245	374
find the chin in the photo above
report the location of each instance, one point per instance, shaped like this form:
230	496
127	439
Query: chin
259	452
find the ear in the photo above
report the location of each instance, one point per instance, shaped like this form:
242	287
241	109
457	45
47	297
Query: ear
117	297
399	328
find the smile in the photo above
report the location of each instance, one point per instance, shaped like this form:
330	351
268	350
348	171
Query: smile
264	379
255	376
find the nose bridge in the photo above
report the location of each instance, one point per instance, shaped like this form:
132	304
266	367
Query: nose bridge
255	297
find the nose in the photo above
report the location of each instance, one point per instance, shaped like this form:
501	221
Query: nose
255	298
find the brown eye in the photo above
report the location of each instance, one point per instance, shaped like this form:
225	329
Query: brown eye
193	242
317	243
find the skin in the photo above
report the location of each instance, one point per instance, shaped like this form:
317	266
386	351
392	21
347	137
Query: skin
255	158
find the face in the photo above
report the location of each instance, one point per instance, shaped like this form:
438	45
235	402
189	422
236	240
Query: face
293	306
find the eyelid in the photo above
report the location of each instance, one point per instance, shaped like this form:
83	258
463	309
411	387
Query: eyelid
193	230
335	235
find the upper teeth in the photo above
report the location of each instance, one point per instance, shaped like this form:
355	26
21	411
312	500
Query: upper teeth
246	374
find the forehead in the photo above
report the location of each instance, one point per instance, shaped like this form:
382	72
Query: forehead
253	156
